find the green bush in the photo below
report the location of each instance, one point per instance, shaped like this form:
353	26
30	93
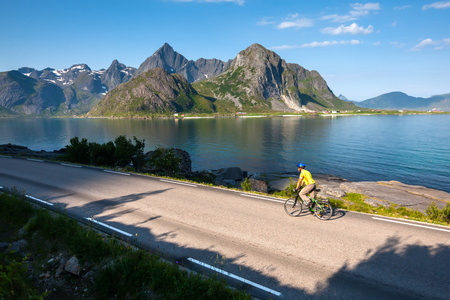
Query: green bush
165	160
246	186
103	154
14	282
78	151
124	150
138	158
127	152
439	215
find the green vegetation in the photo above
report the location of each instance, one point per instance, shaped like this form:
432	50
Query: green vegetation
129	273
357	202
118	153
165	160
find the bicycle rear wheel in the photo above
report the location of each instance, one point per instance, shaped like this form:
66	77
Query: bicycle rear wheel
293	206
323	210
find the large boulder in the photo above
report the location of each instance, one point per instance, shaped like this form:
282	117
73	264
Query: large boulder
259	185
234	173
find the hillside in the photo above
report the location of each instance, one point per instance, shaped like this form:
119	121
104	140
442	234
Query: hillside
402	101
259	80
152	92
23	94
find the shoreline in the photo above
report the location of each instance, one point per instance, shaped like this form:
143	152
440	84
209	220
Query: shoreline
376	192
263	115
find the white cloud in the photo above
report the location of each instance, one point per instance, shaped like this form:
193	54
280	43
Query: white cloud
438	45
358	11
317	44
351	29
298	23
377	43
265	21
330	43
367	6
437	5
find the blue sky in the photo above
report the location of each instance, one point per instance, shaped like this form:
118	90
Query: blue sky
362	49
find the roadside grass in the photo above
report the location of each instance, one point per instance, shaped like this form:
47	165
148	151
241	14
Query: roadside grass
123	271
356	202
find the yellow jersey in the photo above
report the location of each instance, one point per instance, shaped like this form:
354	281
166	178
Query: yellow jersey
306	176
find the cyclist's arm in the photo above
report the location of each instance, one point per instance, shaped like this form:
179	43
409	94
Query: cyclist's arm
299	183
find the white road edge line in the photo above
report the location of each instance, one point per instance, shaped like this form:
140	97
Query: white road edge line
110	227
176	182
114	172
235	277
32	159
69	165
404	223
34	198
262	198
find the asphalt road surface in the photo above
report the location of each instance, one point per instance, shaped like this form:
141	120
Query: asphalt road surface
248	238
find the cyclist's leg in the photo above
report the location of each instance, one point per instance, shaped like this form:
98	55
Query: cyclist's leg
307	189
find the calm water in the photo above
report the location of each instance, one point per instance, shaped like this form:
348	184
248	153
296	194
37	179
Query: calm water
412	149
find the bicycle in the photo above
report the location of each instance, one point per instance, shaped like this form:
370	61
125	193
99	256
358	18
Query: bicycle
322	209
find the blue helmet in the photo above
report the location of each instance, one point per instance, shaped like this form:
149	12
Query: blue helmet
300	165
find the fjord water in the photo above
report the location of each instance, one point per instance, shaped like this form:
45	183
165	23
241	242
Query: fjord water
413	149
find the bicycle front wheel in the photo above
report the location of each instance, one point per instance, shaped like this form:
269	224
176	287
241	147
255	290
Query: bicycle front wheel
293	206
323	210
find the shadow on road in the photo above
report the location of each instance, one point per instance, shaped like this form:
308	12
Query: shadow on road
397	269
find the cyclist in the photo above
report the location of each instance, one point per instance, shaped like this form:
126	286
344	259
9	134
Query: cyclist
306	179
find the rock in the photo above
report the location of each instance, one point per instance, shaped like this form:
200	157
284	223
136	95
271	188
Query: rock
59	270
332	191
230	182
234	173
72	266
415	197
18	246
3	246
282	184
14	150
259	185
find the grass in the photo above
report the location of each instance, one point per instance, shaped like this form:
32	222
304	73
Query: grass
130	273
356	202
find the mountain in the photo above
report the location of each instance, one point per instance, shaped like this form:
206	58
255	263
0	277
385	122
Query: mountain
256	80
173	62
71	91
259	80
23	94
402	101
342	97
116	74
152	92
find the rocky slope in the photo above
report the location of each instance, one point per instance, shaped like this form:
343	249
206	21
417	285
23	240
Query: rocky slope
259	80
23	94
173	62
49	92
154	91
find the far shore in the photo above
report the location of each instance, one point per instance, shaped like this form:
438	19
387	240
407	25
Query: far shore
243	115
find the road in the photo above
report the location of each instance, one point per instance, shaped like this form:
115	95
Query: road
247	237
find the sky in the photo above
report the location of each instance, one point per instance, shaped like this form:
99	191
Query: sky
362	49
